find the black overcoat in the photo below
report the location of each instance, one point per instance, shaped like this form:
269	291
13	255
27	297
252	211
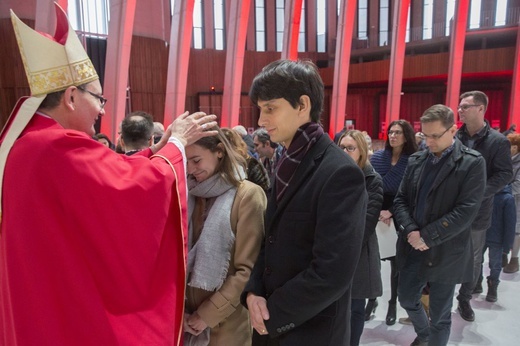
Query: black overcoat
451	206
312	246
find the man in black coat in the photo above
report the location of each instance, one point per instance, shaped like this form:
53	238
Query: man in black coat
299	289
438	199
496	150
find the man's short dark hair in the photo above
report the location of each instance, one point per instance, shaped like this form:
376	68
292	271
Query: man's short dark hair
440	113
137	129
290	80
263	137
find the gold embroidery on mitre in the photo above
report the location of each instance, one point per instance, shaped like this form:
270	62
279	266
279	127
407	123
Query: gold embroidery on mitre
84	71
45	82
60	66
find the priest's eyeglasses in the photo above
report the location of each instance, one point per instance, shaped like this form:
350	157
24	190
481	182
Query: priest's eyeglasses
101	99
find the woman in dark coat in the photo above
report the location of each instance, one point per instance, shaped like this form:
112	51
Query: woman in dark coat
391	163
367	278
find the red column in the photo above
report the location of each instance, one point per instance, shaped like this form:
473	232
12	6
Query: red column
119	43
514	104
395	78
458	36
342	65
236	42
178	59
293	11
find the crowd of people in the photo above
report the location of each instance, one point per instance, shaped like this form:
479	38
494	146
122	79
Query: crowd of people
198	235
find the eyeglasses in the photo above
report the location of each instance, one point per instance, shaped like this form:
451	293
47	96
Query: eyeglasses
466	107
436	137
101	99
395	133
349	149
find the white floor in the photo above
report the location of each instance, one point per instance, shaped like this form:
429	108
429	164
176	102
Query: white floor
495	323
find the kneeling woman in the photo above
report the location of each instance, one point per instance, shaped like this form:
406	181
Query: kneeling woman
225	233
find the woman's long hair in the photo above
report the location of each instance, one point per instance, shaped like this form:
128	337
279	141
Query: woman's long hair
236	141
410	146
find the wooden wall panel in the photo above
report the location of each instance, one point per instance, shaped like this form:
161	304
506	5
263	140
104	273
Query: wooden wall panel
147	75
489	60
248	116
13	81
206	69
475	61
426	65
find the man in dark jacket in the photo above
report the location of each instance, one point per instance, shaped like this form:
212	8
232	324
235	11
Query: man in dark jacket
499	236
438	199
496	150
299	289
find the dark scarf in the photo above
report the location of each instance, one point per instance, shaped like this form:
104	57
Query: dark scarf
303	140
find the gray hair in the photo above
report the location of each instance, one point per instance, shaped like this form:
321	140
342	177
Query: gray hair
241	130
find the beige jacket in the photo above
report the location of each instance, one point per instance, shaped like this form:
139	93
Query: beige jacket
221	310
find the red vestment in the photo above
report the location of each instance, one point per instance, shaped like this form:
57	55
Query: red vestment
92	249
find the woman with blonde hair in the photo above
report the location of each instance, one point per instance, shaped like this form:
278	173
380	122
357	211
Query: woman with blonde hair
226	228
367	278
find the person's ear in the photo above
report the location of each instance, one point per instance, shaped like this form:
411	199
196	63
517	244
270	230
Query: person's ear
220	150
68	97
304	104
453	129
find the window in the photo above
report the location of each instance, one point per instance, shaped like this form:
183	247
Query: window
407	35
197	25
260	25
500	16
474	14
427	19
218	17
384	15
362	19
450	14
89	16
301	35
321	21
280	23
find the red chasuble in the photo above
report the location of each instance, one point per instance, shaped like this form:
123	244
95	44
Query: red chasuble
92	249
